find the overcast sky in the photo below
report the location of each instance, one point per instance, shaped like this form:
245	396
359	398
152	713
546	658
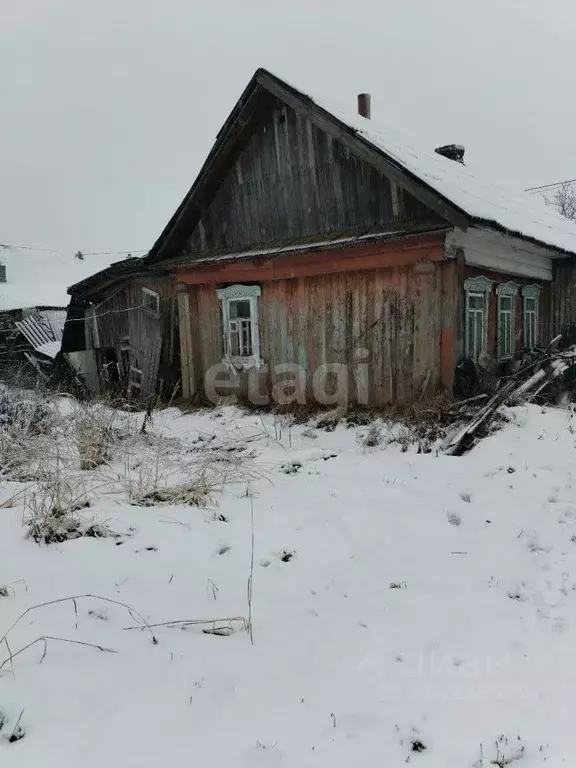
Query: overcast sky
109	107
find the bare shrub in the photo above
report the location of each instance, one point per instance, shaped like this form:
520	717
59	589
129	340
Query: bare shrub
18	450
25	411
373	437
402	435
26	419
563	199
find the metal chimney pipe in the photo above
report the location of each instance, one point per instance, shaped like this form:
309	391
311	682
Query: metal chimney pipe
364	105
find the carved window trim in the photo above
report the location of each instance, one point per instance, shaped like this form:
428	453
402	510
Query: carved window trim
506	320
530	316
478	284
476	287
232	293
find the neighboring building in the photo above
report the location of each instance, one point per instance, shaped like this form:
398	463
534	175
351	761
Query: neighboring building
311	238
128	341
33	301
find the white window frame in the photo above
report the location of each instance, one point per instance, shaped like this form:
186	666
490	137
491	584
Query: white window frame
531	292
476	286
509	291
156	296
250	293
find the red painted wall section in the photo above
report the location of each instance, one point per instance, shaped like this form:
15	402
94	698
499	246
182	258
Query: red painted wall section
396	253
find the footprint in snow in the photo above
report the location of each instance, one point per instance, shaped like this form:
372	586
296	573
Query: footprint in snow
291	468
453	518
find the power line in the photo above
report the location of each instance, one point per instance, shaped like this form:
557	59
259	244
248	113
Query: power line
112	253
131	308
60	253
550	186
30	248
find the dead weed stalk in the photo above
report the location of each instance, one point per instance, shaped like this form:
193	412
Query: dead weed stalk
142	623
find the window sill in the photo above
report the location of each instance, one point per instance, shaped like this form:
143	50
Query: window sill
243	363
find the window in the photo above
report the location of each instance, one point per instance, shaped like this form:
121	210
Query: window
476	312
240	327
531	297
151	302
477	292
240	324
506	319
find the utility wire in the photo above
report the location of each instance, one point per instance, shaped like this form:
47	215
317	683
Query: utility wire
60	253
550	186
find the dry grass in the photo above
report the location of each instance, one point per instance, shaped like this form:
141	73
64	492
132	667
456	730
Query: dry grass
79	451
52	510
197	492
373	436
26	421
204	478
44	639
148	465
97	429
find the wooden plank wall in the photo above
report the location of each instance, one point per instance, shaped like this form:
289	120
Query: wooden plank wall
153	348
294	181
563	309
394	313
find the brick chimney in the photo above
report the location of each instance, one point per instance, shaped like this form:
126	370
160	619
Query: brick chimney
452	152
364	105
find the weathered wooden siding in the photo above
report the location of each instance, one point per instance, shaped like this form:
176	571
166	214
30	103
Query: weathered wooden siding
292	180
394	314
152	345
563	313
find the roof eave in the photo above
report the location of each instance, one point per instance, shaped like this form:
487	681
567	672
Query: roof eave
490	224
109	275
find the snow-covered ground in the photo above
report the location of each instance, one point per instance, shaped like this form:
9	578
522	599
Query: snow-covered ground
406	608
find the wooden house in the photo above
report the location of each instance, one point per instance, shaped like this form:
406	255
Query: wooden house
317	257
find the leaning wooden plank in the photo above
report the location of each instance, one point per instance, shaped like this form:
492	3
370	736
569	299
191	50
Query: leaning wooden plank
537	383
461	440
33	361
554	343
559	367
521	391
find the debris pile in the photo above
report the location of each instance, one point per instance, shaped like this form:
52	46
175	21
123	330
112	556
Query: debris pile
533	382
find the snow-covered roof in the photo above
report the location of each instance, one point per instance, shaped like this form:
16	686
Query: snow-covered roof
464	196
36	278
488	202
